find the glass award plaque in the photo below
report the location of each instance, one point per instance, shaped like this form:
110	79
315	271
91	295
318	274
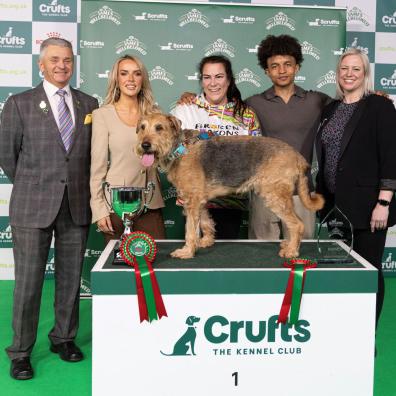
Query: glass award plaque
335	225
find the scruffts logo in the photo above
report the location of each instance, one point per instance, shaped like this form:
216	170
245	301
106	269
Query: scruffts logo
220	46
246	75
105	13
131	43
309	49
328	78
237	19
54	8
158	73
227	337
11	41
194	16
185	345
280	19
146	16
356	14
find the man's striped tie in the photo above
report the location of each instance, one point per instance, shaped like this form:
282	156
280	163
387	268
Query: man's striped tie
65	120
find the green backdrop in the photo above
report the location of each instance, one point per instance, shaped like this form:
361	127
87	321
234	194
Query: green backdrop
171	38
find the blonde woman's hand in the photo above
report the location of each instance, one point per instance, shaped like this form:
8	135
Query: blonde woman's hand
105	225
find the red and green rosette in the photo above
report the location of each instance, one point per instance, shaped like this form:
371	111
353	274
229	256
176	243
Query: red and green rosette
294	290
138	249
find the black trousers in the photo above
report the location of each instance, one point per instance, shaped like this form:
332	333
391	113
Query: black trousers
370	245
227	222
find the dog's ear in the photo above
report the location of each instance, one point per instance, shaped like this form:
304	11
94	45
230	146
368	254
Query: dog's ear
174	122
139	124
189	320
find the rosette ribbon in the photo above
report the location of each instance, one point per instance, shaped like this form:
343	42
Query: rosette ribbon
138	249
294	289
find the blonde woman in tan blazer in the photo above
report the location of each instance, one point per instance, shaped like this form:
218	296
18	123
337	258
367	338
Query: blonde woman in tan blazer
113	159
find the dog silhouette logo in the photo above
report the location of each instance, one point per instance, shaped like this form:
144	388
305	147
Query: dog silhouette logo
185	345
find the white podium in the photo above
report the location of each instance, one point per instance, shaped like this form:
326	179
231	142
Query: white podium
221	337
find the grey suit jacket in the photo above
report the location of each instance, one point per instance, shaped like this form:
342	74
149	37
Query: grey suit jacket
33	157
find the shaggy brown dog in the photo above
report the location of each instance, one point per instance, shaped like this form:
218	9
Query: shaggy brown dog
204	169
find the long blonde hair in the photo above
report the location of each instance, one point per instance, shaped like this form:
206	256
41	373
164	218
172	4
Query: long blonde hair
145	96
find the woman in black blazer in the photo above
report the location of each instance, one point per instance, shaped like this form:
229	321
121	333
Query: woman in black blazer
356	150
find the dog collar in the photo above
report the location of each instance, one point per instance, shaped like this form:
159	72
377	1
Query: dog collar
181	149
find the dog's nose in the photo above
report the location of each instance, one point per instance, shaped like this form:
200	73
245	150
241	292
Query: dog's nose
146	146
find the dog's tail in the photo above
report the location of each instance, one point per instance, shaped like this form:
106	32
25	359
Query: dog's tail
311	202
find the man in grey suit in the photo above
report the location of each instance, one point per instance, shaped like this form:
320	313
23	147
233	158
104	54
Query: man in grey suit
45	143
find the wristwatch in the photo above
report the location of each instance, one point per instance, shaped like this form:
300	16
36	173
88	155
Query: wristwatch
383	202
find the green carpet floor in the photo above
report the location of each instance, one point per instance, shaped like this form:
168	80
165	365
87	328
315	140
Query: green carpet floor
53	377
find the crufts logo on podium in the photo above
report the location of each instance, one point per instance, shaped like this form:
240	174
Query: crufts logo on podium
194	16
280	19
9	40
105	13
220	45
240	337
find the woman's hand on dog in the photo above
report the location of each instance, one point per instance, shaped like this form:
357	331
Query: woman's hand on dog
186	98
105	225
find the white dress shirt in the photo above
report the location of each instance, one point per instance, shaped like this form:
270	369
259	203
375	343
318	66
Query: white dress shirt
53	98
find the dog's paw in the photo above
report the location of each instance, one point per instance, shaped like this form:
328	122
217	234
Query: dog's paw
284	244
206	242
183	253
288	252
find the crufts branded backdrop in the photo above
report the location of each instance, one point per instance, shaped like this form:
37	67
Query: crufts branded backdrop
170	39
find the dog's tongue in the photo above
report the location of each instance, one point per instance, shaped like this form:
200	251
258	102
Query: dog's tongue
147	160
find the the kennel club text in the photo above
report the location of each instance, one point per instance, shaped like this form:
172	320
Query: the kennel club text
219	329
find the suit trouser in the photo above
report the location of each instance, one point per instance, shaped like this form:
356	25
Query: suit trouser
264	224
31	247
370	245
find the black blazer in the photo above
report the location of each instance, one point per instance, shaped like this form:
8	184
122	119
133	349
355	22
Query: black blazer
367	160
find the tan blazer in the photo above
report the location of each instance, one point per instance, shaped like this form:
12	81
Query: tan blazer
113	160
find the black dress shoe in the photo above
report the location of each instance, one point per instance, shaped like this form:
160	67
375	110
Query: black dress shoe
21	369
67	351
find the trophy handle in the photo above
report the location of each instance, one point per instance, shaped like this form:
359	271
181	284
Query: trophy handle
150	189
